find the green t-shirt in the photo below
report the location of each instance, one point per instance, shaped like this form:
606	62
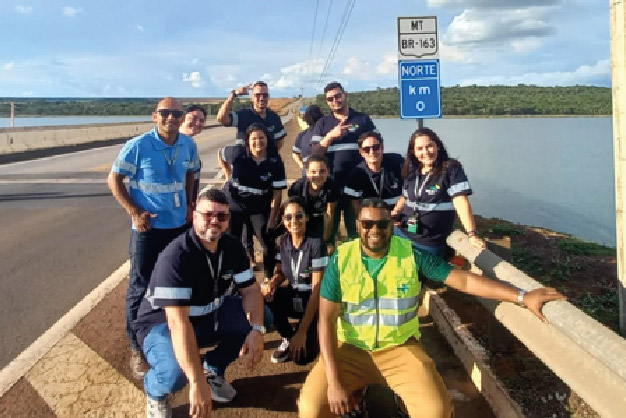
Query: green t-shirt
427	264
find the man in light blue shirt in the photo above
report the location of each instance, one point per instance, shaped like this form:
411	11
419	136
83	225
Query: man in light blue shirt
160	167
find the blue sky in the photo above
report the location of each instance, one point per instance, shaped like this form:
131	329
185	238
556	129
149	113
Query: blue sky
205	48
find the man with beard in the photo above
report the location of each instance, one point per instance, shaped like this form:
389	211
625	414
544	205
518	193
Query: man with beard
190	304
160	167
369	301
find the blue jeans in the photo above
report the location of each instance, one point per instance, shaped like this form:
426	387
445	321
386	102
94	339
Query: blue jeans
165	375
144	250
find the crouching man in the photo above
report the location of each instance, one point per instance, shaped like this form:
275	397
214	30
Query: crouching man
189	304
369	299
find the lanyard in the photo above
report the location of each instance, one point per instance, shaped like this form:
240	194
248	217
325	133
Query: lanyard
170	163
213	275
295	268
379	191
419	192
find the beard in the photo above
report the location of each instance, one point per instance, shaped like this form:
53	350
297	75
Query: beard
211	234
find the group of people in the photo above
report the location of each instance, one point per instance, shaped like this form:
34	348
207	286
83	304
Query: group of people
192	283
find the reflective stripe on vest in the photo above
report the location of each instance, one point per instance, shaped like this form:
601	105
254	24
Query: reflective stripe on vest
381	313
156	187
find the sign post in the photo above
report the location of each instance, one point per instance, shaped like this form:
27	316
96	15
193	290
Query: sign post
418	68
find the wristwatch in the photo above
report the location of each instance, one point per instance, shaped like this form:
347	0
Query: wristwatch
520	298
259	328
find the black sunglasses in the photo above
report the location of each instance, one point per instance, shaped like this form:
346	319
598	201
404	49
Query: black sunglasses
374	148
299	216
165	113
333	98
263	95
220	216
381	224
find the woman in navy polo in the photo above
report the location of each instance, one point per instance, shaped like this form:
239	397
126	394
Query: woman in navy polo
301	261
255	189
436	187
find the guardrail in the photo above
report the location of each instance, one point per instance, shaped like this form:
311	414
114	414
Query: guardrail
586	355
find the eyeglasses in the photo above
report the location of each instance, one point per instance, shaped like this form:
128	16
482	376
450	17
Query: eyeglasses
165	113
220	216
261	95
299	216
374	148
333	98
381	224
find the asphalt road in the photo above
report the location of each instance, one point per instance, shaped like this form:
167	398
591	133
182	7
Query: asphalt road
61	234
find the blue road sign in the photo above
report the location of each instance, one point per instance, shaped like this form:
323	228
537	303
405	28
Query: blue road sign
419	89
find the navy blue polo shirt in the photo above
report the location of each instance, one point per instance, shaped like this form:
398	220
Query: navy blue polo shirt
431	197
300	262
315	205
363	183
183	276
252	185
243	118
343	154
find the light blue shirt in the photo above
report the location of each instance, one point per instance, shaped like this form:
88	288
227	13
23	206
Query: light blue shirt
157	173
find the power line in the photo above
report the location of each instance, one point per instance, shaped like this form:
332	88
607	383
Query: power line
308	67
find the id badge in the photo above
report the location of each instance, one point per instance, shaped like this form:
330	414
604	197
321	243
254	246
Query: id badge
411	225
176	200
215	321
298	306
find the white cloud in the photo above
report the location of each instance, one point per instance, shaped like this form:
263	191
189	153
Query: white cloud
140	28
389	65
70	11
455	53
8	66
525	45
484	4
194	78
23	9
596	74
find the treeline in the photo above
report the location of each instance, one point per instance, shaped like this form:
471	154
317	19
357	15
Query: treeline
95	107
493	100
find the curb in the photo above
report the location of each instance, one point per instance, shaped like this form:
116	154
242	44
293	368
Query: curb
29	357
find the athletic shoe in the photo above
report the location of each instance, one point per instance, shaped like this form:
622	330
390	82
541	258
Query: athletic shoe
221	390
158	409
138	365
281	354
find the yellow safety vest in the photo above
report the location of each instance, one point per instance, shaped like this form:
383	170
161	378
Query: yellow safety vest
381	313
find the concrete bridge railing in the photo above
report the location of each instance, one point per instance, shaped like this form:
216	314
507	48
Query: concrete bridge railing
586	355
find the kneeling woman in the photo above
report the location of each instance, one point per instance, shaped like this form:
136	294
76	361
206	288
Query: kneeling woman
436	187
301	261
255	189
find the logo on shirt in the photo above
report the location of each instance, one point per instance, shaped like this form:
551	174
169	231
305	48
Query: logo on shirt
403	289
265	177
433	189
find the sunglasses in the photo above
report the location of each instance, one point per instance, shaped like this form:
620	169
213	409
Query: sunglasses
374	148
261	95
381	224
165	113
333	98
220	216
299	216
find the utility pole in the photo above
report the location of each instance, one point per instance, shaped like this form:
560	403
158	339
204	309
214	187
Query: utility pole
618	70
12	114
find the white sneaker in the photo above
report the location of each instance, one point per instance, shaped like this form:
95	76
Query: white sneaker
221	390
281	354
158	409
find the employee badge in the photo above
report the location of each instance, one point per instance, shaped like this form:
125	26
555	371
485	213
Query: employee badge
411	224
176	200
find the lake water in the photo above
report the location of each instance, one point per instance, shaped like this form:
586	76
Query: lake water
555	173
70	120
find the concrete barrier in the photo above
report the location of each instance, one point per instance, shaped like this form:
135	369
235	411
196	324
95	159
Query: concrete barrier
586	355
15	140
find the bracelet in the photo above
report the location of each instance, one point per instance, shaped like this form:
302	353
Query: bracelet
471	233
520	298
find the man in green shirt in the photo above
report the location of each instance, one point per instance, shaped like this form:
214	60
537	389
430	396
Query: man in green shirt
369	301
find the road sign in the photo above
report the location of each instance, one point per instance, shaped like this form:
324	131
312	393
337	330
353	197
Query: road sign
419	89
417	38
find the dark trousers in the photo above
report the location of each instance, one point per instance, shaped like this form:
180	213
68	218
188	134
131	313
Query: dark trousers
349	217
282	309
144	250
258	224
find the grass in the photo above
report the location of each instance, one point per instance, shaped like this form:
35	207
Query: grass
578	247
505	230
526	261
604	307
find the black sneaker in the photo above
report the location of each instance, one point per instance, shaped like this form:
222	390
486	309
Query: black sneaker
281	354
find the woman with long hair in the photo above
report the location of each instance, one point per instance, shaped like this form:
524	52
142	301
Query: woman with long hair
301	263
255	189
435	189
